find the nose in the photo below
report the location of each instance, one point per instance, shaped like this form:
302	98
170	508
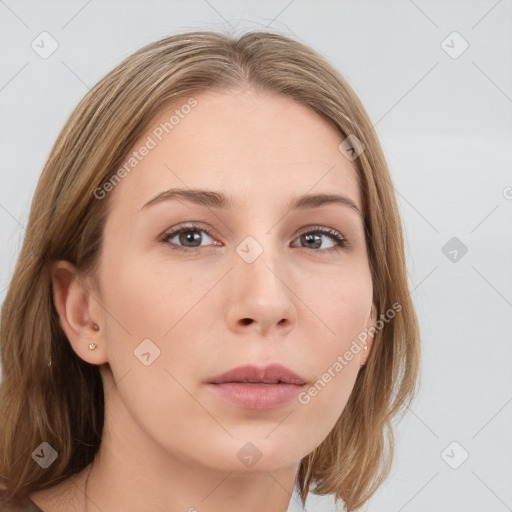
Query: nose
261	297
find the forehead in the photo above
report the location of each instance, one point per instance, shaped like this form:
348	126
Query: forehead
258	146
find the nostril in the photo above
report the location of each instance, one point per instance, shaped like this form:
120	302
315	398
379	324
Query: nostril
246	321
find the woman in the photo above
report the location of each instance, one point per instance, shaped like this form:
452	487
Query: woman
210	308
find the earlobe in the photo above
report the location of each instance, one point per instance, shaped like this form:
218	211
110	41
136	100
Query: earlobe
74	304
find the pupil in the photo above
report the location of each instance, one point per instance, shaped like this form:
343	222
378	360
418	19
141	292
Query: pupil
311	238
190	236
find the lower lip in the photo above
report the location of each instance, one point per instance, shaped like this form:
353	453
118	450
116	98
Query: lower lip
256	396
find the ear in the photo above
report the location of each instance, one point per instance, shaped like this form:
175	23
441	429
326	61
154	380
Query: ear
370	329
79	317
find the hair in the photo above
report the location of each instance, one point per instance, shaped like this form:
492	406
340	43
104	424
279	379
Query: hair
50	394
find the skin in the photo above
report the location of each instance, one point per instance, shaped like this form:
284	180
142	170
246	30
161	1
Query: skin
169	444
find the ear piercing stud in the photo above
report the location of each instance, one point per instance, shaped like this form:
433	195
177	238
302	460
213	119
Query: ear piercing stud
95	327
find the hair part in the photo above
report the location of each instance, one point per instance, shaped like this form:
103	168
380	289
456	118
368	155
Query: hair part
63	403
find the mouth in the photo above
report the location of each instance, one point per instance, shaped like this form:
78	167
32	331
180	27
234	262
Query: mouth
250	374
253	388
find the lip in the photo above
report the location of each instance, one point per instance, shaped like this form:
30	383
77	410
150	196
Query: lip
250	387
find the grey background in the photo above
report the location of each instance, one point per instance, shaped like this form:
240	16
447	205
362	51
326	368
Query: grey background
445	125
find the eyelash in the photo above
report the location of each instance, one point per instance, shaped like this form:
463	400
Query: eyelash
336	236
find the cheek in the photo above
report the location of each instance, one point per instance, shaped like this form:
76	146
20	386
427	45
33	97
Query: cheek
345	305
147	300
343	301
153	335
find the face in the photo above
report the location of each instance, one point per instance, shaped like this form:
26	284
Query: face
194	285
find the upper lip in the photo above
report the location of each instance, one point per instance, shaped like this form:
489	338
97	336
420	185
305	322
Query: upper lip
272	374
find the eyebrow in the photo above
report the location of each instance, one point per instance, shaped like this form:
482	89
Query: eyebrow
218	200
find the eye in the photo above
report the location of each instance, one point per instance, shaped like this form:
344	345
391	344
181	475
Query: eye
313	239
189	238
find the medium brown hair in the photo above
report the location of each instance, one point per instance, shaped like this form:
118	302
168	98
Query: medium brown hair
62	403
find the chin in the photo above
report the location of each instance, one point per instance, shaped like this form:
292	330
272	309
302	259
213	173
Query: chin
260	454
